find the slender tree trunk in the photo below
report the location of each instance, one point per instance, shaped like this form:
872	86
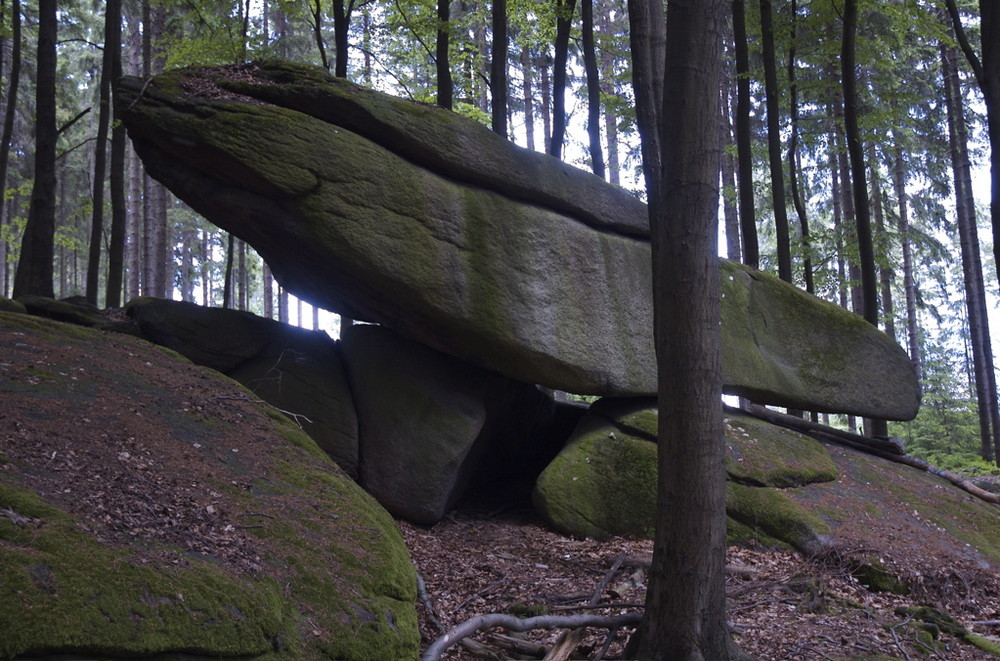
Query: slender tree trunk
116	243
546	100
744	150
317	24
909	286
564	21
268	292
111	16
593	88
794	166
445	88
972	268
771	93
529	101
686	599
282	305
227	286
341	29
609	91
8	130
885	272
34	268
498	68
648	41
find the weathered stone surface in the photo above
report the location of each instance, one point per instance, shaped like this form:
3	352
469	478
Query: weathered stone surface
297	371
604	482
503	276
138	525
427	420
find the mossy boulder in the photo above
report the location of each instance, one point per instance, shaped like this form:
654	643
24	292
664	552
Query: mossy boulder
10	305
425	222
151	508
604	481
298	371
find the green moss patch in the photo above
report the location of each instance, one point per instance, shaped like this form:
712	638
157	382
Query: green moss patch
776	515
763	454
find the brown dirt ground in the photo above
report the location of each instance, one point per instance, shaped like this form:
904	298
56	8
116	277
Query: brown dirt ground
486	556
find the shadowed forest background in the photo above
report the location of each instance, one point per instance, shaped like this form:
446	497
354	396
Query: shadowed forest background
556	76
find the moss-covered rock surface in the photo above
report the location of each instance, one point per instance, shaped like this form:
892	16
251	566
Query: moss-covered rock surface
426	222
149	508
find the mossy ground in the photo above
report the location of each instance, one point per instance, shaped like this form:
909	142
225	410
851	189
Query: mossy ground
172	511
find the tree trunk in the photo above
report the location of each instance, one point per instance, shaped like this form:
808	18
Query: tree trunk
546	99
608	90
744	170
972	268
8	129
317	24
341	28
498	68
648	41
564	21
111	15
593	88
794	165
771	92
862	207
730	210
442	62
885	272
116	243
909	286
227	286
529	101
686	599
34	269
268	292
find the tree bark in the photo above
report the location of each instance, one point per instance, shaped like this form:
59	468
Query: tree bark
34	269
783	244
101	157
593	88
648	40
341	29
8	127
744	169
909	285
442	61
794	163
564	22
317	24
529	101
116	243
686	599
498	68
972	268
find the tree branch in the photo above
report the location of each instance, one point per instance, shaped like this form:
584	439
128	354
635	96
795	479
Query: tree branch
963	41
513	623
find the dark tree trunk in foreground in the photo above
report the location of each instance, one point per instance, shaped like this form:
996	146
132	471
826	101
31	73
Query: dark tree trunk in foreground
498	68
34	269
593	88
686	600
442	62
564	21
744	162
972	266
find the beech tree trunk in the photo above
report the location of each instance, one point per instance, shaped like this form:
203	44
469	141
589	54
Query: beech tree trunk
686	599
34	268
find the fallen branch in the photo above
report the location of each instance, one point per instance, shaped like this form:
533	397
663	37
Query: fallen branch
513	623
877	447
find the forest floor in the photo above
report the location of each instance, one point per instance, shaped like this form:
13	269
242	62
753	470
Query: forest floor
493	555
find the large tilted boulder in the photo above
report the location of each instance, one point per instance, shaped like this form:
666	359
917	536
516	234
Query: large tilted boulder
425	222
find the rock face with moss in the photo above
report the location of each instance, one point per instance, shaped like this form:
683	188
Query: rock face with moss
150	508
428	223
